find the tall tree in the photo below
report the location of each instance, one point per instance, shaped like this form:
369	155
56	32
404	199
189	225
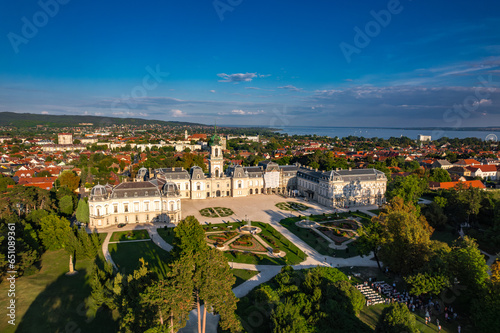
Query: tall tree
467	264
407	244
82	211
54	232
371	238
66	205
69	179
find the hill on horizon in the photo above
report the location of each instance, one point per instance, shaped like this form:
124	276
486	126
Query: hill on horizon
21	120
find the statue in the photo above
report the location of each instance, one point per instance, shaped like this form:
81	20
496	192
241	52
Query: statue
71	270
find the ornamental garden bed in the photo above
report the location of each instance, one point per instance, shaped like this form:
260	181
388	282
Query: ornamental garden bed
337	235
292	206
216	212
221	237
247	243
342	224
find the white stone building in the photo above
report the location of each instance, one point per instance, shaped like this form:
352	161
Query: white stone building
134	202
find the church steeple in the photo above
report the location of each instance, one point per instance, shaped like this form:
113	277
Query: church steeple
216	159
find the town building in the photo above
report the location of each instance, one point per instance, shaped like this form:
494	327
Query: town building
155	195
65	138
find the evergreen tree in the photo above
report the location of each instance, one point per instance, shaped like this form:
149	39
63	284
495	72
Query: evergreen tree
82	211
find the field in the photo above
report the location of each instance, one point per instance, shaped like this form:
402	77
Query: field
129	235
369	315
126	257
242	275
51	302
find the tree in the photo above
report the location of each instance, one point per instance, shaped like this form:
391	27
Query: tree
5	181
439	175
82	211
171	299
66	205
371	238
495	272
436	217
44	173
54	232
408	188
69	179
425	283
189	237
286	318
395	319
406	245
207	265
211	265
467	264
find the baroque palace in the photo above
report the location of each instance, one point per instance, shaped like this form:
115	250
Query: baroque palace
156	195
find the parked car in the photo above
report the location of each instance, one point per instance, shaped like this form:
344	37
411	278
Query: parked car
121	225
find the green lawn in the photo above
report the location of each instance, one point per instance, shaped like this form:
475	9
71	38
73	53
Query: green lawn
129	235
49	301
242	275
168	234
370	315
126	257
316	241
375	211
293	254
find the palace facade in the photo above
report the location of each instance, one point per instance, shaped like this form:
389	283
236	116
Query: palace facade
156	195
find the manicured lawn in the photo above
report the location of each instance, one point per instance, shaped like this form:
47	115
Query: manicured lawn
129	235
49	301
126	257
375	211
316	241
168	234
242	275
272	237
370	315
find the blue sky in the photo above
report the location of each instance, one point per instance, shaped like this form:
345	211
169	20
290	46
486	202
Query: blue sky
268	63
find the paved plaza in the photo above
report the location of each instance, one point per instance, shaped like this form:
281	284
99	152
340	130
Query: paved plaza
260	208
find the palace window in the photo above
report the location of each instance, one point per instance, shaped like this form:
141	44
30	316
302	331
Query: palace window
116	219
157	205
146	206
136	207
115	208
137	218
125	208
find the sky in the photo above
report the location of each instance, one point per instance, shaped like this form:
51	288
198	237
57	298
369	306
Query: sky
271	63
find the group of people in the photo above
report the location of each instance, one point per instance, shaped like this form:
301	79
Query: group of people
429	306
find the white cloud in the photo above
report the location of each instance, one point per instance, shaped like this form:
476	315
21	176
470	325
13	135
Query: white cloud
45	112
241	113
484	102
212	91
290	87
177	113
240	77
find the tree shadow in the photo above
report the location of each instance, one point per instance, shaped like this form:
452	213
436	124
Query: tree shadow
61	307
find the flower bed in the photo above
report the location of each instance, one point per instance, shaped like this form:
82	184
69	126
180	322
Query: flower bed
250	244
